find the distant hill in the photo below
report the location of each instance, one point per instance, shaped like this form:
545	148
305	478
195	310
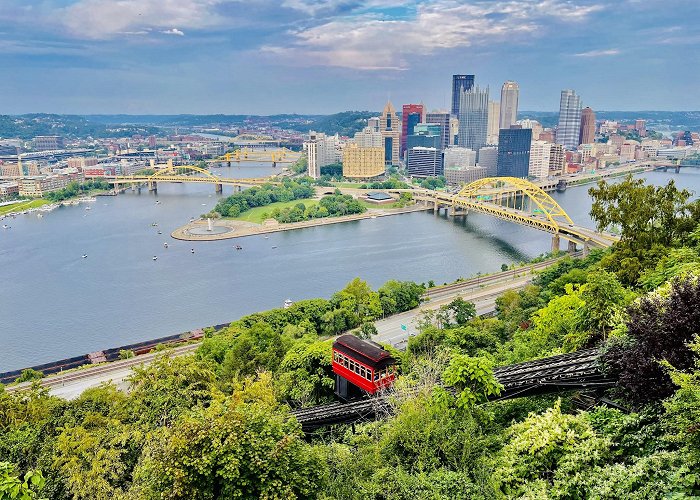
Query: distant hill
662	121
28	126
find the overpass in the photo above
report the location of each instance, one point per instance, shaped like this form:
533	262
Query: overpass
275	156
186	174
520	201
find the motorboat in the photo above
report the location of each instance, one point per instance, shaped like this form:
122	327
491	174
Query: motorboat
155	257
192	250
165	245
84	256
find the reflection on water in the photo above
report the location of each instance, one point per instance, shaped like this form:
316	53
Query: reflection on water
57	304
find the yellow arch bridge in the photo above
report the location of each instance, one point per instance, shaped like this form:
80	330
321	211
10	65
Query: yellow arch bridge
520	201
187	174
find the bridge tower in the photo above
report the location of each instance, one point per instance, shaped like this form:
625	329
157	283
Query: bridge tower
219	188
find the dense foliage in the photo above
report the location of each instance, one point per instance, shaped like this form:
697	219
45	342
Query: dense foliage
74	189
333	205
217	424
29	126
259	196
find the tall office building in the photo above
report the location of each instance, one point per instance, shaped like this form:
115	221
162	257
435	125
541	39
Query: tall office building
569	119
321	150
488	158
442	118
424	162
426	135
460	83
390	128
492	127
411	115
539	159
557	159
514	152
509	104
368	137
473	118
587	130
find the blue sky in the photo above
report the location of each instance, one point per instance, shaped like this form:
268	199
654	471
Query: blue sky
314	56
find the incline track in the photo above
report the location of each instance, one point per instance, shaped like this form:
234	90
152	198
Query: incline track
577	370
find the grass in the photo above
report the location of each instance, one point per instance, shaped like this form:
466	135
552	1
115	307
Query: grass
256	214
347	184
23	205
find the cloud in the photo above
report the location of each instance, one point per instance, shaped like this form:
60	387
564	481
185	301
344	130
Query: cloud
173	31
374	40
103	19
598	53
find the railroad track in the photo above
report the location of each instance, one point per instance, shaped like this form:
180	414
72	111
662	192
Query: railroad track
577	370
86	373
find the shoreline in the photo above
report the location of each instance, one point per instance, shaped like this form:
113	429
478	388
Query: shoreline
240	229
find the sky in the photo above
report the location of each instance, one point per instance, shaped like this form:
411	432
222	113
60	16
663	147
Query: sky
321	57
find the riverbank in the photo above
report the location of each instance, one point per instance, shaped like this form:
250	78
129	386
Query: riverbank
223	229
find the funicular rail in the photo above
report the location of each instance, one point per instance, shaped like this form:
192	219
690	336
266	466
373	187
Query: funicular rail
577	370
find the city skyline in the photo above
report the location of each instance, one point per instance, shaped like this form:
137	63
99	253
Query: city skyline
220	56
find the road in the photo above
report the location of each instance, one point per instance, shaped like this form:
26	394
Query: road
390	331
482	291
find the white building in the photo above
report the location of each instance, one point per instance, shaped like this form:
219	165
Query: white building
531	124
321	150
369	137
488	158
458	157
494	116
539	159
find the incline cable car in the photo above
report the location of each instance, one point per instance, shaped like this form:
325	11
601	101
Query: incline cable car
361	367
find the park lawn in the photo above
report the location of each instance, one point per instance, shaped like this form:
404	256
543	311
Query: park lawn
23	205
347	184
256	214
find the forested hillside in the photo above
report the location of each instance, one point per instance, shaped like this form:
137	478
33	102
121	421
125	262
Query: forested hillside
217	424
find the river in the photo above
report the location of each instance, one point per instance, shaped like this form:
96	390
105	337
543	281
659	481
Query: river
56	304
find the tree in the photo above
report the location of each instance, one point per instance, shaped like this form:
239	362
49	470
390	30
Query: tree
306	376
358	298
659	329
462	311
603	295
473	378
241	446
12	487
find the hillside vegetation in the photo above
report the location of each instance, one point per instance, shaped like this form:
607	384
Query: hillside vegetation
217	424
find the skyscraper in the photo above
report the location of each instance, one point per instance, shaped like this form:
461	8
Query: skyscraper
473	118
514	152
587	132
569	119
509	104
443	119
492	127
411	115
390	128
460	83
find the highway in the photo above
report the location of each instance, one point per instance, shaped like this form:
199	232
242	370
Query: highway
482	290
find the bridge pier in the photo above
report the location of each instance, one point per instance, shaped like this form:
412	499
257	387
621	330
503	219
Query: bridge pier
571	248
678	169
555	244
586	249
219	188
152	186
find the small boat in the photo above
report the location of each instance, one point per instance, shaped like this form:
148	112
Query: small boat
192	250
5	226
274	247
155	258
154	224
165	245
266	237
39	215
239	247
88	208
160	232
204	204
157	202
288	303
84	256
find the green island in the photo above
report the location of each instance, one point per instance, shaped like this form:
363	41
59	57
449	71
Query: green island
217	424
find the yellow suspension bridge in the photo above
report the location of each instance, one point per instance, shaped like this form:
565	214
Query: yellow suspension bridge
520	201
187	174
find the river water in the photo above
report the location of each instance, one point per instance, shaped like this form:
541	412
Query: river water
56	304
